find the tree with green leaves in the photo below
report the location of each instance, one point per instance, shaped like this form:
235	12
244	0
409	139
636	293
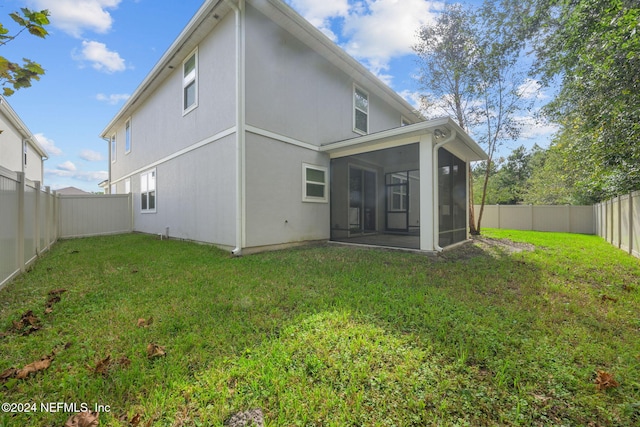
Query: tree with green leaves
14	76
471	62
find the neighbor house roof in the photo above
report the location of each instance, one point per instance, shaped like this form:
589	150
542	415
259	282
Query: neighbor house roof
212	12
71	191
26	134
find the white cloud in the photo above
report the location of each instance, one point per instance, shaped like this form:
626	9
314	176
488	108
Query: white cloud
379	30
48	144
91	156
76	16
113	99
534	128
102	59
67	166
320	13
531	89
87	176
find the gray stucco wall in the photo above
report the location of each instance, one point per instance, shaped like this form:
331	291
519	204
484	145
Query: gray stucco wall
275	212
195	196
158	127
293	91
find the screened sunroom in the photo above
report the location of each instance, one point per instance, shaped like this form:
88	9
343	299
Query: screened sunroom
403	188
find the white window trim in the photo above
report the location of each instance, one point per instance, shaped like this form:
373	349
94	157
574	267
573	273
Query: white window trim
127	186
113	147
127	135
186	82
155	208
312	199
353	96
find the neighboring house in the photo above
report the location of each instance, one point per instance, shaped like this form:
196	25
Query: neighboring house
255	131
19	150
71	191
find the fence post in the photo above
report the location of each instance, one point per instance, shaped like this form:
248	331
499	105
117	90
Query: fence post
20	245
531	215
631	223
37	227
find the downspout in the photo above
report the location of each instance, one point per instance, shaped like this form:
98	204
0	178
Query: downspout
240	123
436	207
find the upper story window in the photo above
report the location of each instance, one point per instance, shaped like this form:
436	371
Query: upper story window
360	110
113	148
127	136
25	149
190	83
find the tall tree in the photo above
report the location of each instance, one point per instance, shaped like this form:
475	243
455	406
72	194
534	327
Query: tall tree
473	48
14	76
592	49
447	78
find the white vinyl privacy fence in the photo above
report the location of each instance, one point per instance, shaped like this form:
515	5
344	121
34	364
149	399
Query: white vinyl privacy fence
561	218
33	218
618	222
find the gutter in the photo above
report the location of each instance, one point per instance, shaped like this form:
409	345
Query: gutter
239	10
436	220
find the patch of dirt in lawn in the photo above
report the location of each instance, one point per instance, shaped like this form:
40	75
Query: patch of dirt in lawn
486	246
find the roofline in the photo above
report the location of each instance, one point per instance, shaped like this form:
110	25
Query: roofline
17	122
343	56
409	131
342	59
163	63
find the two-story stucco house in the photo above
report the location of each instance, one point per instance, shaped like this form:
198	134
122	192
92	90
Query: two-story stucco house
19	149
255	131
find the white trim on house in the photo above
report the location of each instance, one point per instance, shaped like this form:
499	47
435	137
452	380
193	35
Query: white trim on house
179	153
281	138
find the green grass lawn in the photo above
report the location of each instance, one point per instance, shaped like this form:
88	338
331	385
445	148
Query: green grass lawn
329	335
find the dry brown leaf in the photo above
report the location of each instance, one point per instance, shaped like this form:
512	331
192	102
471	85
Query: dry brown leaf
48	310
144	323
57	291
83	419
102	366
135	420
604	380
8	373
124	362
606	298
34	367
154	351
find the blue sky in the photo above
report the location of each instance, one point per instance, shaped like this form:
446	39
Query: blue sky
98	51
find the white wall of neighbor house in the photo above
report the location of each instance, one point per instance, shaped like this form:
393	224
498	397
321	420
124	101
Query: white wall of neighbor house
158	126
294	91
275	210
12	152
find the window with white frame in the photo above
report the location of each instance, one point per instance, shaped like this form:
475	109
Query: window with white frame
25	149
360	110
127	136
314	183
148	191
190	83
113	148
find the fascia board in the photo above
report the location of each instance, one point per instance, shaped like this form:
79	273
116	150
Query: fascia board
168	63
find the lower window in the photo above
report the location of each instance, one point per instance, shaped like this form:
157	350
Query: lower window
148	191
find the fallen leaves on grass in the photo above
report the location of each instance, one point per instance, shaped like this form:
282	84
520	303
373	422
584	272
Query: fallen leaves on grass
154	351
102	366
144	323
34	367
135	420
83	419
605	380
57	291
27	324
606	298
